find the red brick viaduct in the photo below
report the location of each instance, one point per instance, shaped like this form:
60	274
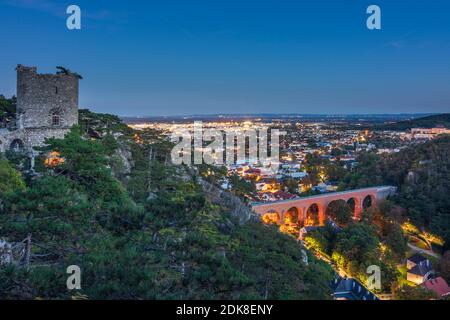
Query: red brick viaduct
358	199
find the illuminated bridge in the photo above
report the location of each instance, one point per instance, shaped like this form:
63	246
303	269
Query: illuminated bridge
312	210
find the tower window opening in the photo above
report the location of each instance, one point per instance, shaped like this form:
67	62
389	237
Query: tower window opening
56	120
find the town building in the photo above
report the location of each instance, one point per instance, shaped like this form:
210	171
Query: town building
419	269
424	133
351	289
438	286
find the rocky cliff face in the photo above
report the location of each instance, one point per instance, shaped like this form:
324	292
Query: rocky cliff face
123	153
236	207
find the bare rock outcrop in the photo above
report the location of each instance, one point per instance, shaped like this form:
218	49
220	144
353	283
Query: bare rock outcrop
123	153
237	208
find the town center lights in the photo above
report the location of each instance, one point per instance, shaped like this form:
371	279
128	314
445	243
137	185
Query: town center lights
230	146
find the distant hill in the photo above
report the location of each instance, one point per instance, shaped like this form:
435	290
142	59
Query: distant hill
425	122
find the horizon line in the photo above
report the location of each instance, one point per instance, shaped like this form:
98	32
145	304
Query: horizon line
264	114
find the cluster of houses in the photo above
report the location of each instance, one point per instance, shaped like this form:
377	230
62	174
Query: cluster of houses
428	133
297	148
420	271
269	184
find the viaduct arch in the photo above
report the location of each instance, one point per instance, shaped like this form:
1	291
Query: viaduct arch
311	210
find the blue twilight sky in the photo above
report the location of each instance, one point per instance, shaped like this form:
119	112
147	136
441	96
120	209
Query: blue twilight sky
237	56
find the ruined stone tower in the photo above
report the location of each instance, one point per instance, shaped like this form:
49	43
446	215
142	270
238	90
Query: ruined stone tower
47	106
46	100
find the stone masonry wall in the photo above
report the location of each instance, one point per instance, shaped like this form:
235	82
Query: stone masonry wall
40	96
29	137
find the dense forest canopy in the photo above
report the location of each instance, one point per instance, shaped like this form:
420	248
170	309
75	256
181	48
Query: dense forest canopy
422	173
141	228
138	227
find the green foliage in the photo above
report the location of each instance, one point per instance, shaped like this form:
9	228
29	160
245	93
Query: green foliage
395	241
317	241
10	179
109	144
7	109
63	70
336	152
315	165
86	163
212	174
322	239
340	212
241	187
407	292
444	266
291	185
387	218
98	124
356	248
367	173
155	236
422	174
334	172
274	262
49	199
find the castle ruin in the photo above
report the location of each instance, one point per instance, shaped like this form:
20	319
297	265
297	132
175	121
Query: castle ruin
47	107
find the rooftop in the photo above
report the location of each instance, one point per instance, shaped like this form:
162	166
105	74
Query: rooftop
351	289
417	258
421	269
438	285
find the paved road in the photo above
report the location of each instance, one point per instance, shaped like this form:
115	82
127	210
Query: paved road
429	252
